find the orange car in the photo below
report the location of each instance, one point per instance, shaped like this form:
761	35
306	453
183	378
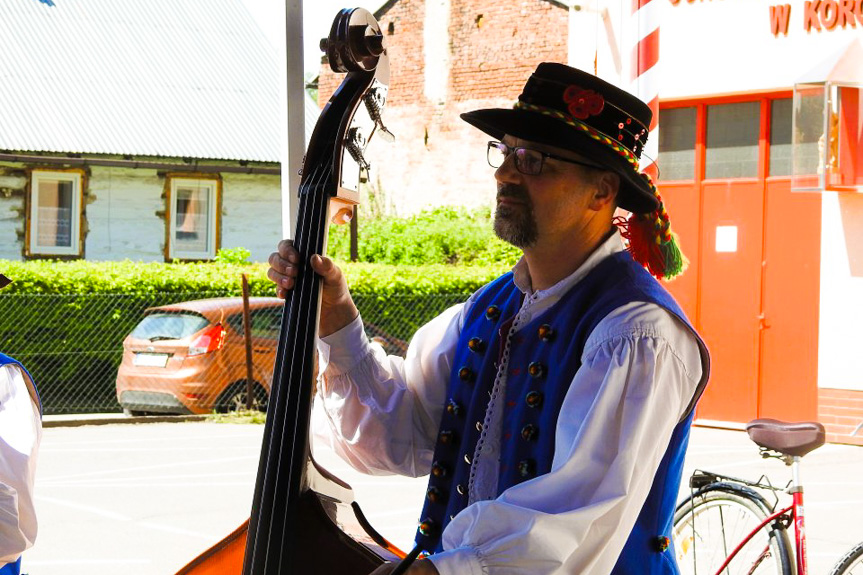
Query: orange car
190	357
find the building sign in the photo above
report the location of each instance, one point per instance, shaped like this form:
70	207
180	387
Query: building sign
818	15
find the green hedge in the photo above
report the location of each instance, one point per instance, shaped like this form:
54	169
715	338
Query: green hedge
66	320
126	277
444	235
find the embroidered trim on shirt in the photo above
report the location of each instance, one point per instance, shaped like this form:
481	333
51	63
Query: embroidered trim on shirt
493	414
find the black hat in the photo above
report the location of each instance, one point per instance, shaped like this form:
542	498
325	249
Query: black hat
570	109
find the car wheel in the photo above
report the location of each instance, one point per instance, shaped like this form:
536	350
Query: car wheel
234	398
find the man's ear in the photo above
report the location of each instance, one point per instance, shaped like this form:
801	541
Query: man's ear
605	192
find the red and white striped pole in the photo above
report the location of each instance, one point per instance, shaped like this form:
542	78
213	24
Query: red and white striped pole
651	240
645	73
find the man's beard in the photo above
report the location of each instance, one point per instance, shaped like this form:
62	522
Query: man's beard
515	224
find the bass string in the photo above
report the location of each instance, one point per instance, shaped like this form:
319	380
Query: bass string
265	535
295	363
312	224
311	220
309	239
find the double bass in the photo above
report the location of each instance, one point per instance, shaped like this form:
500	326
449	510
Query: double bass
304	520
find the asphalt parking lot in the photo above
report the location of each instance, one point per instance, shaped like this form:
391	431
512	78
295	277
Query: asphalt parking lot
144	499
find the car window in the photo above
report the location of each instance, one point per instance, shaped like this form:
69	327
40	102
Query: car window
265	322
160	326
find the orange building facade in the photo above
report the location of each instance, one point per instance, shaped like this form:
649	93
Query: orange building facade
761	159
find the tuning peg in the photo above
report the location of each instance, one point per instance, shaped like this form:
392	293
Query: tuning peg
355	143
374	100
375	44
386	135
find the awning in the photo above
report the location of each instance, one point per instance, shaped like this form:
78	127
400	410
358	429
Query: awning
843	67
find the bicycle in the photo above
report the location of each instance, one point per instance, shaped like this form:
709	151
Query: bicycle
727	526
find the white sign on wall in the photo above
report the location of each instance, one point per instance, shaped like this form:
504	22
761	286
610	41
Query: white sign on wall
726	239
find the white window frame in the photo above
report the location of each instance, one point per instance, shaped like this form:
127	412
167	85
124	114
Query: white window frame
213	185
34	248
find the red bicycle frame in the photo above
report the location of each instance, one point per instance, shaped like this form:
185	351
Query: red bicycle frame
796	514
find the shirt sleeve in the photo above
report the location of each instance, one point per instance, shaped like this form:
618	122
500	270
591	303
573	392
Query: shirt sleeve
20	434
640	368
384	411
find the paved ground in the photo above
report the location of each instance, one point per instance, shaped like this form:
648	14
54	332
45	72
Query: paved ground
145	499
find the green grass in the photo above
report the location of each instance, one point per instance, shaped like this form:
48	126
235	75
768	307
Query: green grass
242	416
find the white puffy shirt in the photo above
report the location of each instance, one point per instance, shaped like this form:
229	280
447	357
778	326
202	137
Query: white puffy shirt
640	368
20	434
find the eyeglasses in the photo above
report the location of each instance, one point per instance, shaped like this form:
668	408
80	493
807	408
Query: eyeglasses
528	162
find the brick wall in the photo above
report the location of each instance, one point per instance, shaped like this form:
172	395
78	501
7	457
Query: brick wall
495	45
841	411
437	158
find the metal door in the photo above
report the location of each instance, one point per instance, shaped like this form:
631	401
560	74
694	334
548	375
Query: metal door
730	296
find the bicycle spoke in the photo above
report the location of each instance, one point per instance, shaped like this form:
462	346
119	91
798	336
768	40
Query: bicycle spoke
713	526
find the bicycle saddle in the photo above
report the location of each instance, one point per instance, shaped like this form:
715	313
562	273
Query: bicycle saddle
796	439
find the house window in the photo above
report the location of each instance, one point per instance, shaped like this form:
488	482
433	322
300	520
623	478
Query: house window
732	140
193	213
677	144
780	137
55	213
782	141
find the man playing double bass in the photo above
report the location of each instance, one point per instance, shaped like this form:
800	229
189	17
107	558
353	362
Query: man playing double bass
552	409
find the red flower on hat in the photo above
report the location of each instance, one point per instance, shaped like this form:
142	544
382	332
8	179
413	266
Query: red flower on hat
583	103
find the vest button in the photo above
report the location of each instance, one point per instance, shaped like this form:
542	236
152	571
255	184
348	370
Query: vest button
533	399
529	432
466	459
453	408
439	469
479	426
460	489
492	313
536	370
476	345
434	494
526	468
661	543
545	332
466	374
446	437
427	528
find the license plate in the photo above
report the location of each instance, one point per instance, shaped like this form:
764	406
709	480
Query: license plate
150	359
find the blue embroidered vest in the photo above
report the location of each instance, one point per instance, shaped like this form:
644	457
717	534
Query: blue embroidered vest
11	568
544	356
15	567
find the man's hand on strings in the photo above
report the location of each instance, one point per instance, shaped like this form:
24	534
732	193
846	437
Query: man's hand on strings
337	307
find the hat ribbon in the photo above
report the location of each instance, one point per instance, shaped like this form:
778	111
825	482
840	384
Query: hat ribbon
600	137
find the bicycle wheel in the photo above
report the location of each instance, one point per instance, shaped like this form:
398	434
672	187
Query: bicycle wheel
851	563
711	523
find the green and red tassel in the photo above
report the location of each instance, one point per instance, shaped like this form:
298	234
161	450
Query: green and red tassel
651	241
